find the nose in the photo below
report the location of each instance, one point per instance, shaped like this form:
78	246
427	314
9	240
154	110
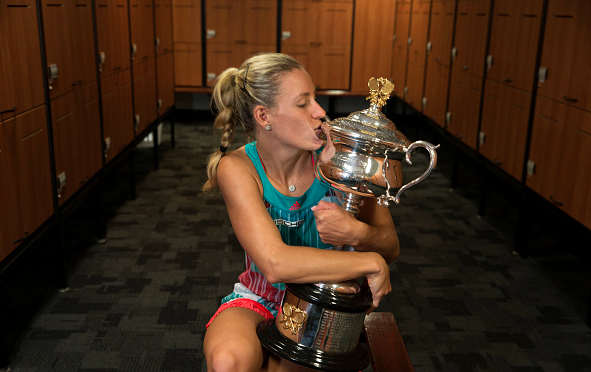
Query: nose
318	112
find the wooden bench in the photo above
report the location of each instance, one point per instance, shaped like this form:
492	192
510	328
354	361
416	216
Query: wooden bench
388	353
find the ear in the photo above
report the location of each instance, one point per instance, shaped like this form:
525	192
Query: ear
262	116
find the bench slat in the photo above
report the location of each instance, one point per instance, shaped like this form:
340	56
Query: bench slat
388	353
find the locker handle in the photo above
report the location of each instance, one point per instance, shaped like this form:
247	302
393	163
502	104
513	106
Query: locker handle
465	67
497	161
8	111
560	204
21	239
568	99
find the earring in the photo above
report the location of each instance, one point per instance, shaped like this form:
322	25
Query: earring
268	128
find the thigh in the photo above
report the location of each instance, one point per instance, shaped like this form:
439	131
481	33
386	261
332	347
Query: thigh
232	334
276	364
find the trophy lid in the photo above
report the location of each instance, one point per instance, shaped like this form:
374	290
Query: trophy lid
371	126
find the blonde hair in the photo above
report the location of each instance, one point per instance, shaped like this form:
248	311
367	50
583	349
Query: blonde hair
236	93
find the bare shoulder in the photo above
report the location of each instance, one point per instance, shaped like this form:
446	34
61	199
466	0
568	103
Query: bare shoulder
236	169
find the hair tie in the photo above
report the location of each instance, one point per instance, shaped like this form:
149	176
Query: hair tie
223	148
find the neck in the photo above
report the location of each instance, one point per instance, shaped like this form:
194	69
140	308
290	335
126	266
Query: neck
284	168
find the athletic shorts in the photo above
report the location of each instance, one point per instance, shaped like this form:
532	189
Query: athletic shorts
243	297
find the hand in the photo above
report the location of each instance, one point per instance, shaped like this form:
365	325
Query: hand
379	284
335	225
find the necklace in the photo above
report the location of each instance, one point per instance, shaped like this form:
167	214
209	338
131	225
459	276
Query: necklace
292	187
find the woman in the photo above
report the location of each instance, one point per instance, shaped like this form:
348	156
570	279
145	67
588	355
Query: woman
280	212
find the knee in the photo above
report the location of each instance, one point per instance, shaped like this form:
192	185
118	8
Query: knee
227	360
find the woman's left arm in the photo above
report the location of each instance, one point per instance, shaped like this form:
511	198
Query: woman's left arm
372	231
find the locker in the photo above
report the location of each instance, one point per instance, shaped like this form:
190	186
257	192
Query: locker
566	79
367	21
25	184
514	42
503	133
464	106
163	26
251	21
165	71
113	36
117	106
70	48
556	168
22	83
76	136
188	65
400	52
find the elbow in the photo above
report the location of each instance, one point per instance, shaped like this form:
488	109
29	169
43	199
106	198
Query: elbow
271	269
395	251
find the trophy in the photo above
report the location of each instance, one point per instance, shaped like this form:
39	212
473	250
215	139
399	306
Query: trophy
320	324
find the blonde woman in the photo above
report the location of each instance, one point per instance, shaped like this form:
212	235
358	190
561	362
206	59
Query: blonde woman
286	220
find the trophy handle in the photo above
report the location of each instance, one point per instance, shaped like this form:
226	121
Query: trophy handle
383	200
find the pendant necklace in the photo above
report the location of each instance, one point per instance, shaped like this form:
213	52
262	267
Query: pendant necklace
292	187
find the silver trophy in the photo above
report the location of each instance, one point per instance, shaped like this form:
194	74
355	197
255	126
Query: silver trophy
320	324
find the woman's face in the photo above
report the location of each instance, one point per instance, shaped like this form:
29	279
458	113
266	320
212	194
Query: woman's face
296	118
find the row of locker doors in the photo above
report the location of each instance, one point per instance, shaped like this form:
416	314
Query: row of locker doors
132	96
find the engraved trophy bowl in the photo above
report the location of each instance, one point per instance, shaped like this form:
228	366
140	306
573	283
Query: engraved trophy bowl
320	324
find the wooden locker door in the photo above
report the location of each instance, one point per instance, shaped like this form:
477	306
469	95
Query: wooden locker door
555	154
58	45
163	24
579	126
218	13
441	32
142	30
566	34
417	53
113	35
106	27
471	35
188	65
299	23
165	71
22	83
259	22
400	52
30	173
145	98
76	135
117	104
121	46
186	21
505	117
436	92
83	47
514	42
464	106
8	102
367	41
9	228
336	24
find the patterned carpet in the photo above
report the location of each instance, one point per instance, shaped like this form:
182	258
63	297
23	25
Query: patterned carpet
140	301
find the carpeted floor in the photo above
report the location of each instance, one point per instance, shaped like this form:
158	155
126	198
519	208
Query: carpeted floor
140	301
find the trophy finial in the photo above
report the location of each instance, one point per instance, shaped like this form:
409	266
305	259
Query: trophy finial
379	91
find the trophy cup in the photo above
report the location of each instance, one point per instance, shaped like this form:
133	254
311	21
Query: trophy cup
320	324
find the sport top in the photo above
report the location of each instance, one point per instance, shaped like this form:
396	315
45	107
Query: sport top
295	221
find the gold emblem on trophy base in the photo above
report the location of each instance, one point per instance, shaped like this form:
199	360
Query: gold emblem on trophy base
293	318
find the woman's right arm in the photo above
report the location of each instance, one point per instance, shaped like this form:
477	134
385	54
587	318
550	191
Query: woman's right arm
281	263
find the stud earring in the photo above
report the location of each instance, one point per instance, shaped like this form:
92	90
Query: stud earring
268	128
